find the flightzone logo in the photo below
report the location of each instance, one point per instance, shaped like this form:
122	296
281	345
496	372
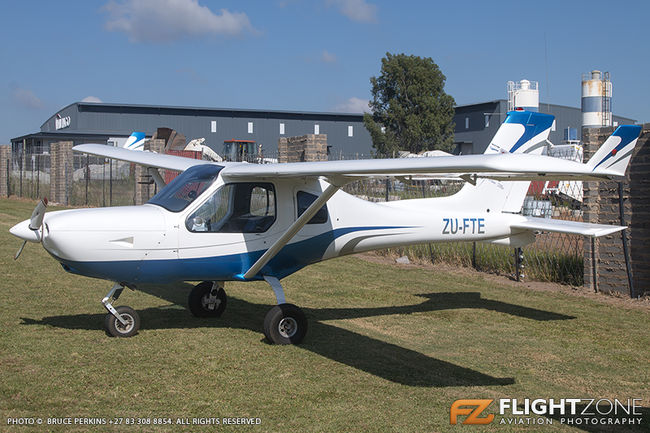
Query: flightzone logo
541	411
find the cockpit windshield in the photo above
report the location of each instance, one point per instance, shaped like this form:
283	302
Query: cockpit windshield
186	187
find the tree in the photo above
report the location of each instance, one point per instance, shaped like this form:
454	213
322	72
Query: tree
410	109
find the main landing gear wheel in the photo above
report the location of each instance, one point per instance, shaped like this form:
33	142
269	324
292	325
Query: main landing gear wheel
115	328
207	299
285	324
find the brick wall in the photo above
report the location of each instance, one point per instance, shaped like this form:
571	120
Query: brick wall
5	169
61	169
601	205
144	186
304	148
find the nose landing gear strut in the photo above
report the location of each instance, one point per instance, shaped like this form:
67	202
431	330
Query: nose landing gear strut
122	321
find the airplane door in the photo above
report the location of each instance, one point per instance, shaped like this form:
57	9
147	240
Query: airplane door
225	234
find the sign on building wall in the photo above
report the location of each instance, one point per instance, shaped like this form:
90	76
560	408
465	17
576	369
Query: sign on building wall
61	122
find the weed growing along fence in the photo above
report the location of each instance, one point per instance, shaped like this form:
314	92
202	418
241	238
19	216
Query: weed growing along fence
556	257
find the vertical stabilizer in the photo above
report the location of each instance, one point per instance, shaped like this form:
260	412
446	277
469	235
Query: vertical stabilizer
615	153
521	132
135	141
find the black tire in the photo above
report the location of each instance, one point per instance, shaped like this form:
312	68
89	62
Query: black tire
285	324
199	301
114	327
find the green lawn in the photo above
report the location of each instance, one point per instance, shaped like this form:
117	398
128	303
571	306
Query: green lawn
389	349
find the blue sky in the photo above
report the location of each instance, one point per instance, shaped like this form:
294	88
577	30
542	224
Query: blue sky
308	55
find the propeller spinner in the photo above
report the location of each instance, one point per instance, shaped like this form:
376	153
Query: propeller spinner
30	230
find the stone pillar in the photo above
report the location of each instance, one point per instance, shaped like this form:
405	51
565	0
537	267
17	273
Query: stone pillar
592	138
638	214
601	206
5	169
304	148
283	155
61	169
145	188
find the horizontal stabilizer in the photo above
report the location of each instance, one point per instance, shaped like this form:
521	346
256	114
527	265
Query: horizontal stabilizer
571	227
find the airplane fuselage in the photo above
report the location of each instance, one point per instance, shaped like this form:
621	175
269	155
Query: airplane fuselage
151	244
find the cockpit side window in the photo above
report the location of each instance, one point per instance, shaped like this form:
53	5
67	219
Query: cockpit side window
236	208
186	187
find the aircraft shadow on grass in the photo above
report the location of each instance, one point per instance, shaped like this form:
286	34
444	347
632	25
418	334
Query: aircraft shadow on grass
379	358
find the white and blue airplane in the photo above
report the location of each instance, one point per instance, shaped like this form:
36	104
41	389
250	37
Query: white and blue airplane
220	222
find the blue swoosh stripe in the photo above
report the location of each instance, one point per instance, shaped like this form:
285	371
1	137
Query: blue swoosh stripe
534	124
290	259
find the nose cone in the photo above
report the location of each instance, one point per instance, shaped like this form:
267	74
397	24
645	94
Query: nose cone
22	231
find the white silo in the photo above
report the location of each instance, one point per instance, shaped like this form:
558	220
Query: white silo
596	100
523	95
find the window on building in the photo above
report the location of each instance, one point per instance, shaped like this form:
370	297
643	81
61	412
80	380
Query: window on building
304	199
236	208
487	120
466	122
317	129
281	128
350	131
250	127
213	126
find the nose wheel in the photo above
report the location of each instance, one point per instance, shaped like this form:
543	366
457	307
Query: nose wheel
122	321
127	327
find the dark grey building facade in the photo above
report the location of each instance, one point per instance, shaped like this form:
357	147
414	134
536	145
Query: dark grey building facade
476	124
82	122
347	136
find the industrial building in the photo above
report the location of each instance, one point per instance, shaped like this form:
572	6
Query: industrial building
347	137
83	122
476	124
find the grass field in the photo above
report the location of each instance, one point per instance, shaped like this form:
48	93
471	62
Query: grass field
389	349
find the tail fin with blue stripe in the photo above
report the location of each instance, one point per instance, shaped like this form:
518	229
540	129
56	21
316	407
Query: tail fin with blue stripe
135	141
615	153
521	132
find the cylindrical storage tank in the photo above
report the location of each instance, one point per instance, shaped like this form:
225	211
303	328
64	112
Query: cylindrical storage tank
523	95
596	100
527	96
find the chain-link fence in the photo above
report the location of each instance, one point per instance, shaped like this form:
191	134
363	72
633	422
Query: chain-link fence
89	180
96	181
554	257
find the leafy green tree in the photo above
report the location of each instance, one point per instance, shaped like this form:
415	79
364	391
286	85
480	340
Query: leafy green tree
410	109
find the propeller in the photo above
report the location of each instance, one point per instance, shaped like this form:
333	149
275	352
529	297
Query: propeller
35	224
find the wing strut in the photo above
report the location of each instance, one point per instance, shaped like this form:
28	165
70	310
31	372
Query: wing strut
291	231
155	174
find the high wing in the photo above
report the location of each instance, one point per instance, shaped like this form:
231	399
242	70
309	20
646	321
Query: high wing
147	159
504	166
609	163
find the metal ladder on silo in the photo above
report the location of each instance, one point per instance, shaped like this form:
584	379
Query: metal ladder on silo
606	101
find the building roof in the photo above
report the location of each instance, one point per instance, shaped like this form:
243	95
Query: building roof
204	111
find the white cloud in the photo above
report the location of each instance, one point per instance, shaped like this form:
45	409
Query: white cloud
327	57
353	105
91	99
26	98
356	10
168	20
